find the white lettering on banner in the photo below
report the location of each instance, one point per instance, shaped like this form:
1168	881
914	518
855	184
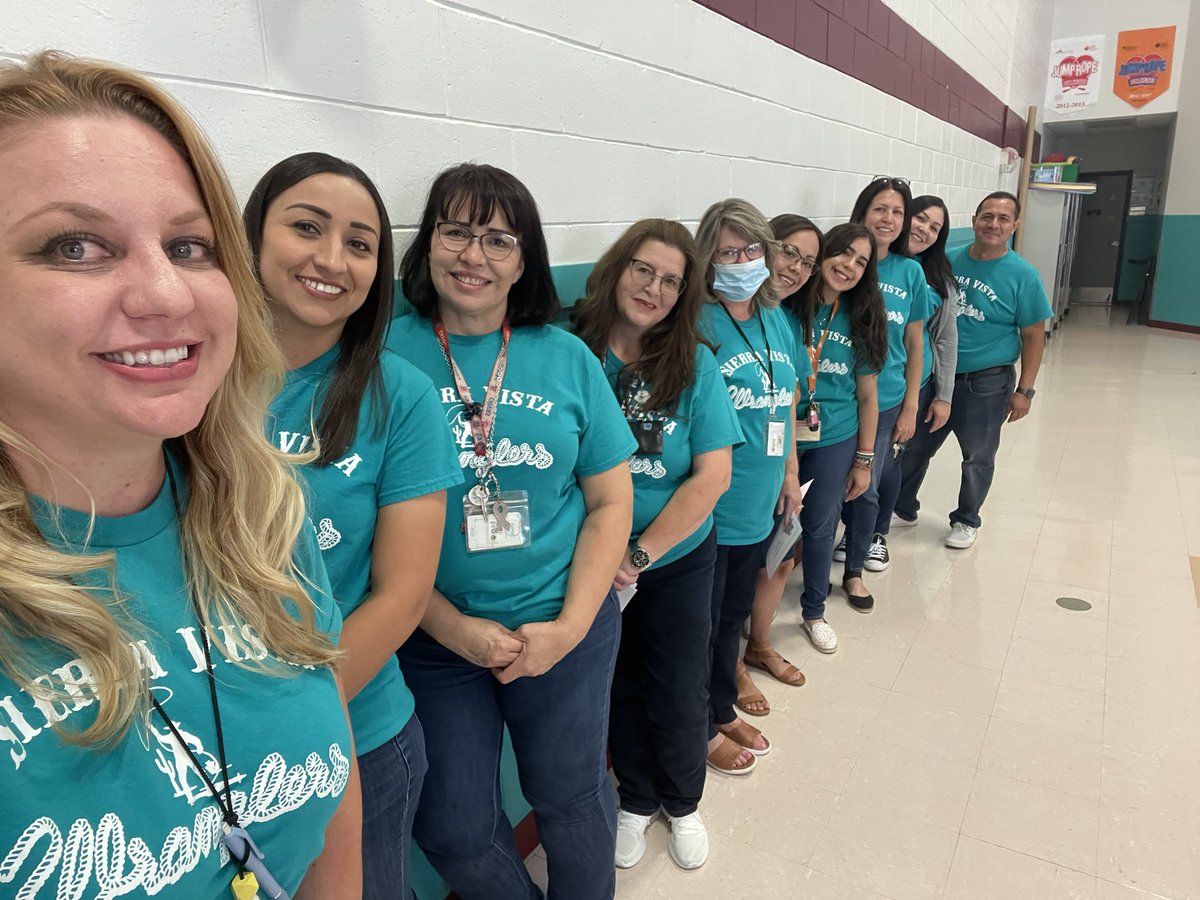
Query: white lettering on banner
745	398
641	465
121	865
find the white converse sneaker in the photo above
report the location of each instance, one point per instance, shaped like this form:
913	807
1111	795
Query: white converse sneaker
688	844
839	552
821	635
877	555
961	536
631	837
899	521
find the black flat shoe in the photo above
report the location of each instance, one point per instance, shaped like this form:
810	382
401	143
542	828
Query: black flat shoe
860	604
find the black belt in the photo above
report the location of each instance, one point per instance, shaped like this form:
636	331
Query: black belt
994	370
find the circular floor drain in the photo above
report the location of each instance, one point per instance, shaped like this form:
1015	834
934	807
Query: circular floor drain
1073	603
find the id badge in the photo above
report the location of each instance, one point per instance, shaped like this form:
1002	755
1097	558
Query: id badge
809	428
649	435
776	436
501	522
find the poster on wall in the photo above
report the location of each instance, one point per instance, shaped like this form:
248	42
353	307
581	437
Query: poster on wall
1143	64
1074	80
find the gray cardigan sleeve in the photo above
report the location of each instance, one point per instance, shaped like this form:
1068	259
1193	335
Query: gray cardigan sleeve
943	337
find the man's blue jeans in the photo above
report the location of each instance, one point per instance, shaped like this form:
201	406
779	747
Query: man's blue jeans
558	723
976	417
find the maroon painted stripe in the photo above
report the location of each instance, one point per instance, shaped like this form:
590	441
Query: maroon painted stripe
866	40
1174	326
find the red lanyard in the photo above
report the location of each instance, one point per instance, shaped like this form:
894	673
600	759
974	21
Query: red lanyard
814	353
481	416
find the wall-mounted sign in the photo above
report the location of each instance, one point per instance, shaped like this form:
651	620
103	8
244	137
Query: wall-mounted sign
1074	80
1143	64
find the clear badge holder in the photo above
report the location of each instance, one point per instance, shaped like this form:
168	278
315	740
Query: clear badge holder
496	521
776	436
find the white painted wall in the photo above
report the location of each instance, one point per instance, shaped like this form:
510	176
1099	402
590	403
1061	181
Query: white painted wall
1183	199
609	111
1074	18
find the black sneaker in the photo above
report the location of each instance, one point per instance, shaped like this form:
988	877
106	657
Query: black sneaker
877	555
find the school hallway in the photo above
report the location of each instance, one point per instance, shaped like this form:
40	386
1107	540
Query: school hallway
971	738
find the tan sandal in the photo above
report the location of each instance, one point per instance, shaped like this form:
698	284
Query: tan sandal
724	759
759	659
748	693
746	734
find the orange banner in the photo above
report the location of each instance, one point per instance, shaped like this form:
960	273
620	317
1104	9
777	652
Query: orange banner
1143	64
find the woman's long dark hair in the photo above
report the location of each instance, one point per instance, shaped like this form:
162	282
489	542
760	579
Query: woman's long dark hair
361	343
933	258
868	321
479	191
899	244
668	363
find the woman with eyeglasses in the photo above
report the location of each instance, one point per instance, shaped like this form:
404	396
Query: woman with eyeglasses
640	319
522	627
322	245
883	207
841	340
927	243
799	246
754	346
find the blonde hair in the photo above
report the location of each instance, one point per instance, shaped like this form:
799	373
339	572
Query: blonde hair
245	508
743	218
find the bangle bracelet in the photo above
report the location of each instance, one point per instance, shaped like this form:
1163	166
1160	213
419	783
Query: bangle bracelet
862	464
870	452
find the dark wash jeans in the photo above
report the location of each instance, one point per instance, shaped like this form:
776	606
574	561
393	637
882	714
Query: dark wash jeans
734	577
558	723
976	417
893	475
391	777
658	726
859	515
827	467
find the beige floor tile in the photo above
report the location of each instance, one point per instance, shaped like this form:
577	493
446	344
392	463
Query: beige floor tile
1041	619
733	869
1167	780
1107	890
899	780
1093	531
819	886
898	857
810	752
951	683
1082	553
985	648
1000	587
983	871
863	660
1044	593
1066	571
1151	850
939	731
1056	664
841	703
888	626
961	608
1039	704
1045	756
1033	820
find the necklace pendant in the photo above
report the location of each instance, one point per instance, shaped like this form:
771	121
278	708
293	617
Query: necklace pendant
244	886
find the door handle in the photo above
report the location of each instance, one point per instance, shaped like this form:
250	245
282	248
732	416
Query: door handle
1114	243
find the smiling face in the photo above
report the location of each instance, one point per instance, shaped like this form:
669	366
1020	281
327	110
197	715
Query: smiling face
994	224
644	306
471	287
926	226
116	323
842	271
885	218
795	262
319	256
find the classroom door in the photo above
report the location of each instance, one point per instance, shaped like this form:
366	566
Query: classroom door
1100	243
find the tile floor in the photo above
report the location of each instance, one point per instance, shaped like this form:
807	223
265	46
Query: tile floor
970	738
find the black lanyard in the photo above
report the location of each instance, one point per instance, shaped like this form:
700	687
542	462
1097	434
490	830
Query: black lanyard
630	405
770	366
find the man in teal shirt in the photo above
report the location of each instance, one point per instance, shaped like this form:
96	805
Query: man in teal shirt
1001	310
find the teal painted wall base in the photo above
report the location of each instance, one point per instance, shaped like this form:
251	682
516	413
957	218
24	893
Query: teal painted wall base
1142	234
1177	285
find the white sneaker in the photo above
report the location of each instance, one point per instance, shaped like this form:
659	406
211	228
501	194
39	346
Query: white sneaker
961	536
821	635
688	844
878	558
631	837
901	522
839	552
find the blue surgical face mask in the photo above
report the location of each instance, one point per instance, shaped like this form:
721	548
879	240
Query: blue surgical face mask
738	282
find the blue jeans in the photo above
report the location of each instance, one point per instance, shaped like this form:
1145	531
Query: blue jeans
892	474
658	728
558	723
734	576
859	514
828	467
976	417
391	777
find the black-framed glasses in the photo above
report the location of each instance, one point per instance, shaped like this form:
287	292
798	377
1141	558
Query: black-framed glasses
891	179
792	256
643	273
496	245
727	256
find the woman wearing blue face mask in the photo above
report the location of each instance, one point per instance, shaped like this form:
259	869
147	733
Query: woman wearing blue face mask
754	345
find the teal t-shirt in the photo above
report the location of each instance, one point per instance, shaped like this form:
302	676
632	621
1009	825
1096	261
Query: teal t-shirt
136	819
703	421
557	422
996	299
837	374
744	513
403	460
904	289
